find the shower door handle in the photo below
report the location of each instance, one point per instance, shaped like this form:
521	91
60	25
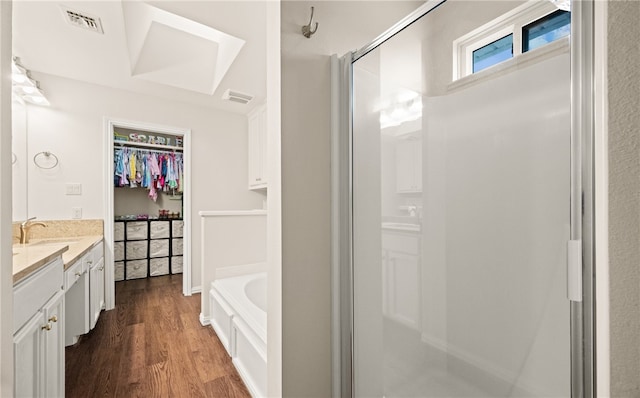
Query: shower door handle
574	270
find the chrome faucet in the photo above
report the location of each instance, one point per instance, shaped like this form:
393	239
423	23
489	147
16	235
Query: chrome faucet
25	226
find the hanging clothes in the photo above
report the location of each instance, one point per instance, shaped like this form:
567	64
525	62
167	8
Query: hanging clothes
153	170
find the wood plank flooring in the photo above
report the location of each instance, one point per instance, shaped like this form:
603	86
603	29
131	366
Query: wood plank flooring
151	345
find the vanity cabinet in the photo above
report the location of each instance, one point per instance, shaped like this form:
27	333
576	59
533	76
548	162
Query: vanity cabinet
84	287
147	248
257	144
39	330
409	166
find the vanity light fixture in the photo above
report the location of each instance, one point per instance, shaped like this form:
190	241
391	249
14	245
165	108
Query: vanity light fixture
24	86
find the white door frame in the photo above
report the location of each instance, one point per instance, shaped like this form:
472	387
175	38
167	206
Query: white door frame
109	125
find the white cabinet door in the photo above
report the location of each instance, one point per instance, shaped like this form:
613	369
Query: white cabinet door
257	148
38	352
27	358
101	272
53	346
96	291
401	275
403	288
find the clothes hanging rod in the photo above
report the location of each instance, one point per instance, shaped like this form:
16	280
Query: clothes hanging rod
172	149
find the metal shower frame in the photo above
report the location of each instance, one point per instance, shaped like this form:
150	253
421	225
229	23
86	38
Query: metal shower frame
583	369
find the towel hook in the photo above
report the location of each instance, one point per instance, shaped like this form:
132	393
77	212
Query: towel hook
306	29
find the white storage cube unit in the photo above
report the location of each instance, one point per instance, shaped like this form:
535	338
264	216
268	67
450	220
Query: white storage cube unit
118	272
176	264
177	227
136	269
159	229
176	247
136	250
118	231
148	240
159	248
137	230
159	266
118	251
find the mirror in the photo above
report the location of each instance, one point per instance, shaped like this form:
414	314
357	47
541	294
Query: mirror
19	159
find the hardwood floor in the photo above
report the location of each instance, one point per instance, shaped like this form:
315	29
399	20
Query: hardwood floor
151	345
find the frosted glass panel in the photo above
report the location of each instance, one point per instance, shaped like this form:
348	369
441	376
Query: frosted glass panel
461	219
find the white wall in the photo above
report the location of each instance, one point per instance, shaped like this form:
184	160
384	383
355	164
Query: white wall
136	201
306	191
6	279
73	129
624	196
235	240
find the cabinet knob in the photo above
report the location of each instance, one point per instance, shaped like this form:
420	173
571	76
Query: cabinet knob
100	269
78	273
53	319
47	327
89	262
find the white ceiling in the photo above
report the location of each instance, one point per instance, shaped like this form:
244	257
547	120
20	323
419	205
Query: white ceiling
46	43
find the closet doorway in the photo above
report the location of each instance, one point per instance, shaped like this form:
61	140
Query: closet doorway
147	219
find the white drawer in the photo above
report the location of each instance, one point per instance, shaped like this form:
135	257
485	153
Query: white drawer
159	266
32	293
136	250
137	230
136	269
72	274
118	251
159	248
176	247
118	231
177	227
176	265
159	229
118	271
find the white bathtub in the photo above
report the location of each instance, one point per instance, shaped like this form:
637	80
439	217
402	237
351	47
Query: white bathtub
238	316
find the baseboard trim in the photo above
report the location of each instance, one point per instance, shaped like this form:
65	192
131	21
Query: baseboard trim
204	321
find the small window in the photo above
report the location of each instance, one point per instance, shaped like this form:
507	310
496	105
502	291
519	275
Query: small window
546	30
493	53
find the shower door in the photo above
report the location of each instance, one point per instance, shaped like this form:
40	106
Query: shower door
461	206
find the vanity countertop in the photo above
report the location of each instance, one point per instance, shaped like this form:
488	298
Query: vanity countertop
30	257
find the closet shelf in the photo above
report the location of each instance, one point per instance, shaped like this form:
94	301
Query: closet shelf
143	145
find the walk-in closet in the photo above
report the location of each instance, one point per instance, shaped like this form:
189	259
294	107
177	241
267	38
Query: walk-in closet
148	204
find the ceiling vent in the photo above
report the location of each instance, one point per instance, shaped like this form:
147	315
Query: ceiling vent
84	21
236	96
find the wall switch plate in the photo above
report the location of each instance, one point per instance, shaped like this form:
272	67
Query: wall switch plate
76	213
73	189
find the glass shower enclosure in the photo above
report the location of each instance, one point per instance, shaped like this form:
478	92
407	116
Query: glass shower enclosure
461	189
